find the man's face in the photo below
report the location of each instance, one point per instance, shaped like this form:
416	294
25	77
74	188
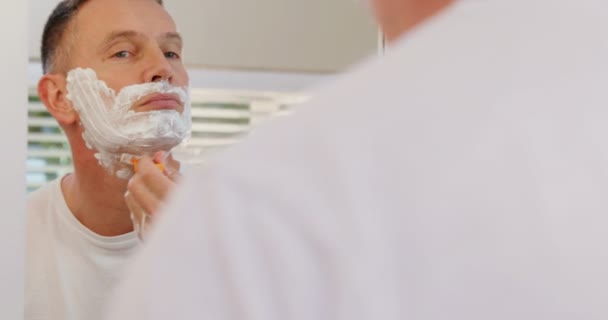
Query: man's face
128	42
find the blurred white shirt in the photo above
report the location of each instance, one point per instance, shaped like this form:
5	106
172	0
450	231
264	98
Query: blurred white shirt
462	176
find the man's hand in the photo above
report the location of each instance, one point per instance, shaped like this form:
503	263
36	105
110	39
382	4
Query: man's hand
149	187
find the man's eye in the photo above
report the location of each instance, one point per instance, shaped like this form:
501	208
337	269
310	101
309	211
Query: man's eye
122	54
171	55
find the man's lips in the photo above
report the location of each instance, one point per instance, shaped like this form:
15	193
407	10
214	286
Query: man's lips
161	102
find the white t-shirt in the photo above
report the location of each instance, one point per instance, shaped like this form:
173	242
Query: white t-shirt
462	176
70	270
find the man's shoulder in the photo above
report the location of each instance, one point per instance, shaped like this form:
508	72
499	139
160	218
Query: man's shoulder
40	200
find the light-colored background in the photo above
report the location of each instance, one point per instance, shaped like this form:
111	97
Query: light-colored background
13	24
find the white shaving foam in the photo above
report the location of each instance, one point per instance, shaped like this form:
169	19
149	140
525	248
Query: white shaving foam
112	128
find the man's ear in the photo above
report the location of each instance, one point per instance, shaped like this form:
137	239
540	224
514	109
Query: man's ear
52	90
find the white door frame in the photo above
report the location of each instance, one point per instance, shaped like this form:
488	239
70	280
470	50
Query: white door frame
13	114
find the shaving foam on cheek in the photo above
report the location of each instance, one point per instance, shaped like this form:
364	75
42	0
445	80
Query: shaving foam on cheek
112	128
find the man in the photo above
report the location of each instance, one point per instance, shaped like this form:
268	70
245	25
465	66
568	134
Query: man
462	176
115	82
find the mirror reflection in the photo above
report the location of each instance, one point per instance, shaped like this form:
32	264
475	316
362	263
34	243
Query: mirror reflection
125	96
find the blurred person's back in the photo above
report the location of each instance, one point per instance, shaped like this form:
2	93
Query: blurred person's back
462	176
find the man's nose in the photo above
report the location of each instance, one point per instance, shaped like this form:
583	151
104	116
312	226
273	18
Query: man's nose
158	67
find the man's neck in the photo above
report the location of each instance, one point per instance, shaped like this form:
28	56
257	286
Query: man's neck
96	199
397	17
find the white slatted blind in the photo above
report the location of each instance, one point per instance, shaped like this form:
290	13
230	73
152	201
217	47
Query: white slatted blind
219	118
48	150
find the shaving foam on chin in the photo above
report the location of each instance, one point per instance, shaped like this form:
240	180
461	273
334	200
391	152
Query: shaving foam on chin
112	128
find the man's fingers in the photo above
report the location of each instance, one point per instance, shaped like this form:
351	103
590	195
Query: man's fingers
135	209
149	187
138	215
159	157
148	174
141	193
171	165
